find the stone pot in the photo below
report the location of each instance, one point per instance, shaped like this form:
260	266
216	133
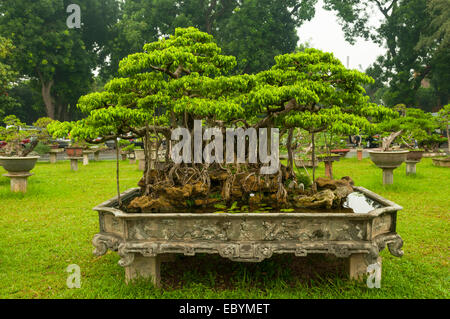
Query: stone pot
442	161
144	240
18	164
74	151
388	161
414	155
299	163
329	158
342	152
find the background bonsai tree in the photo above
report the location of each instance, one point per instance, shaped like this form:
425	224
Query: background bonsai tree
413	128
313	90
183	78
20	140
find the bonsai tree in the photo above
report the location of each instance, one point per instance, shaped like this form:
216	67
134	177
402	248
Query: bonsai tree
21	141
313	90
182	80
412	128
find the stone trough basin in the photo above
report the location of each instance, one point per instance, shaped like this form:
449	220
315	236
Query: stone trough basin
143	241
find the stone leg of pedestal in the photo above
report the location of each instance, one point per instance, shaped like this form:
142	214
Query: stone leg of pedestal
411	167
85	159
53	158
359	154
388	176
329	169
142	165
144	267
74	164
132	161
96	156
18	181
357	266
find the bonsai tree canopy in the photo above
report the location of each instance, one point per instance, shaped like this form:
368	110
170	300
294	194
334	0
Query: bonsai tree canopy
184	78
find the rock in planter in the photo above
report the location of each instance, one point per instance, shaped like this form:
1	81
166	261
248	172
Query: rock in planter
18	171
142	239
388	161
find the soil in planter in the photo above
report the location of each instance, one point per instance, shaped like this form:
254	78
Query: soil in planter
234	190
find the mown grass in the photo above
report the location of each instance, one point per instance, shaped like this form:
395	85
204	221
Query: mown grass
51	227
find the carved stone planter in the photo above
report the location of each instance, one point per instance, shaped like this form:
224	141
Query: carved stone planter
442	161
142	240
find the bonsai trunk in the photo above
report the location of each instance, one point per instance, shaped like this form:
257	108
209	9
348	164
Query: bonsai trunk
387	141
313	163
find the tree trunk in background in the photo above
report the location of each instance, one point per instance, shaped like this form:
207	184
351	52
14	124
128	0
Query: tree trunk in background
48	100
448	139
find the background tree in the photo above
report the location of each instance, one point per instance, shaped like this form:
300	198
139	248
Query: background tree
443	121
60	59
400	73
7	77
253	31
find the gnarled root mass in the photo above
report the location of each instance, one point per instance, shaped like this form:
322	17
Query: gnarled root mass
179	187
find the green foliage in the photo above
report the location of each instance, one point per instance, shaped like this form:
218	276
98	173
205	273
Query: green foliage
7	76
60	59
15	132
414	32
415	124
179	78
314	91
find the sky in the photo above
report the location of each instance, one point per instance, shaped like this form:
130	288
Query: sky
323	32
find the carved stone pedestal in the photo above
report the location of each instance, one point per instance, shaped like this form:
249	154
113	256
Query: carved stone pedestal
18	181
388	176
97	156
74	163
86	157
144	267
411	167
54	154
329	169
358	266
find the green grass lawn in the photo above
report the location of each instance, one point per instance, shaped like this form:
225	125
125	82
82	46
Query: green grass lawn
51	227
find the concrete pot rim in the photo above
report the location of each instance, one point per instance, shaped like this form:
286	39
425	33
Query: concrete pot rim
19	157
389	152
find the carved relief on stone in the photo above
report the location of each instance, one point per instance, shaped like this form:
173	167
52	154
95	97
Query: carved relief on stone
103	242
179	230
